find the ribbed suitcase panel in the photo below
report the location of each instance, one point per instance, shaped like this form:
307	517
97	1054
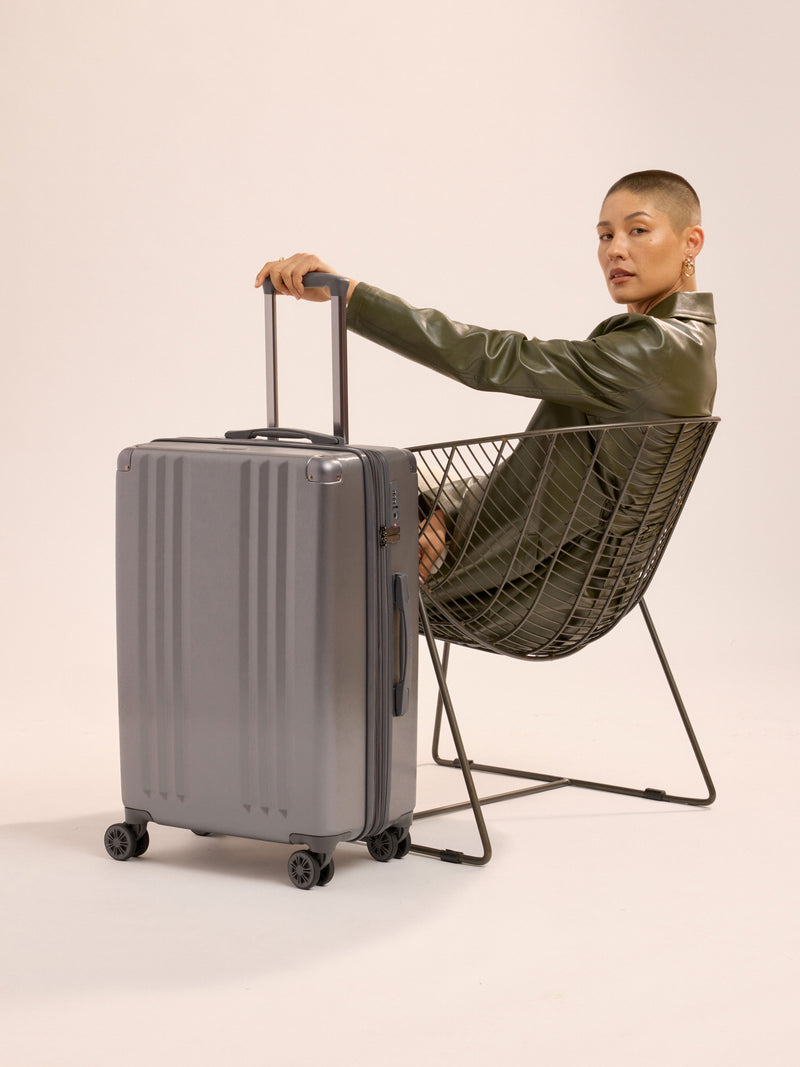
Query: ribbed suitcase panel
161	552
267	593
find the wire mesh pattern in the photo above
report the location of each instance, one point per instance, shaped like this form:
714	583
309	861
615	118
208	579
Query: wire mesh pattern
552	536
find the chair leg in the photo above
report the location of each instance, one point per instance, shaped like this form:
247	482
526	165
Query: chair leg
687	725
446	854
549	781
437	722
474	803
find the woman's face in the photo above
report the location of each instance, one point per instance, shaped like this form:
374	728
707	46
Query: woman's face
641	254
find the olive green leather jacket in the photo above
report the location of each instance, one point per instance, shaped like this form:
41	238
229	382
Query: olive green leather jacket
631	368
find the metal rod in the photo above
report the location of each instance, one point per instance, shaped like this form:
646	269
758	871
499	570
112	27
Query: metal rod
474	800
710	420
341	418
271	341
580	783
508	772
437	724
496	798
712	793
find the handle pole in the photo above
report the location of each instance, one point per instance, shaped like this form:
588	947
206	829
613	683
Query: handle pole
341	420
271	338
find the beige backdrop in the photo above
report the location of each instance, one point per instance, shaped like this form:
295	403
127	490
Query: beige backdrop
155	154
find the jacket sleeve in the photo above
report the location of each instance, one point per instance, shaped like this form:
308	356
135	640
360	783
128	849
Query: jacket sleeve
621	360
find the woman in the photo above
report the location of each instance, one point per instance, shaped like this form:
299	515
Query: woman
656	361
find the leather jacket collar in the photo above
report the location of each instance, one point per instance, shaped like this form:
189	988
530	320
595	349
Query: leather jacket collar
698	306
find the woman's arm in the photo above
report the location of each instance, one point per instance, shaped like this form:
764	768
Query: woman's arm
616	370
602	375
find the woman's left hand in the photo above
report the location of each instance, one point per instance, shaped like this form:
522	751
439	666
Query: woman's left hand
287	276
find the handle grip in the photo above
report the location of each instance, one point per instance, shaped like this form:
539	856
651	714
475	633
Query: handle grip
405	636
278	432
338	287
316	279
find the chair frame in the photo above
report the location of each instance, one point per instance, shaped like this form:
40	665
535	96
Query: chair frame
547	782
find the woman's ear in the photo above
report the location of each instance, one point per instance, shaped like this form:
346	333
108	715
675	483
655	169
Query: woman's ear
695	239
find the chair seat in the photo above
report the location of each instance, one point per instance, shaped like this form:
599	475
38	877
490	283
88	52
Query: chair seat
553	536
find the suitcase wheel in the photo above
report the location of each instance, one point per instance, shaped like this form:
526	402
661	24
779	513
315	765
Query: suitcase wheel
122	840
327	873
142	844
391	844
305	870
403	846
383	847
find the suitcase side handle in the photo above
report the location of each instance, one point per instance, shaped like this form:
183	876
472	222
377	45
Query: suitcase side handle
405	637
338	287
278	432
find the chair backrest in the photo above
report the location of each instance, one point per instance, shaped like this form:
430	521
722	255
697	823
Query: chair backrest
553	536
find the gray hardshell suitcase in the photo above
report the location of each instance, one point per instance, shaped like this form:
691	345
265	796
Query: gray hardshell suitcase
267	612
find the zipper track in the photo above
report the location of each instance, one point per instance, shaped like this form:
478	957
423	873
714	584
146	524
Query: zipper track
379	631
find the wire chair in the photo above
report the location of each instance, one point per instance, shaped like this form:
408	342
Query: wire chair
552	538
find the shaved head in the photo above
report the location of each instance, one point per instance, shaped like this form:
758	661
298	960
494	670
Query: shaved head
671	193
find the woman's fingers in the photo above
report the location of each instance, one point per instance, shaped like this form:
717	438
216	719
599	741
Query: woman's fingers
263	274
432	543
286	275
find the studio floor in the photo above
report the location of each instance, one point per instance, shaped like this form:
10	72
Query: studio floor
606	929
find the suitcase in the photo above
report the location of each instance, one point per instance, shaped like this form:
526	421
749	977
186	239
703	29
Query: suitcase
267	612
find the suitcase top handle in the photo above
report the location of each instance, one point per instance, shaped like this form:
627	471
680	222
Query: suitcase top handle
338	287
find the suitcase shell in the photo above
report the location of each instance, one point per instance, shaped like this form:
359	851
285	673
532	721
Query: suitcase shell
267	620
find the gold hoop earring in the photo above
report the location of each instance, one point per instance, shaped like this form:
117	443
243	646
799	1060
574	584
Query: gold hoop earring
688	266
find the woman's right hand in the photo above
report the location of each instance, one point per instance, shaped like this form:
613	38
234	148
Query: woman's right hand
432	543
287	276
